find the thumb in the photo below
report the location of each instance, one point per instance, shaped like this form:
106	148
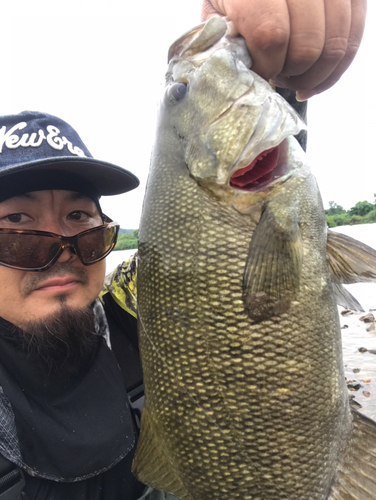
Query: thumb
209	10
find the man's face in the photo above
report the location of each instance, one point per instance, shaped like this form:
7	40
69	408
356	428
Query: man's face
33	296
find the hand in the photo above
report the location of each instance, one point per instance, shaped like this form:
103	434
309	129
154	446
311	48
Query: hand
303	45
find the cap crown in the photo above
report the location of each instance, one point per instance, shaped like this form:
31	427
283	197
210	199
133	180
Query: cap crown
36	145
31	136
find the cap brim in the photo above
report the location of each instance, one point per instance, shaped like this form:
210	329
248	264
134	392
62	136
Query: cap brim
107	178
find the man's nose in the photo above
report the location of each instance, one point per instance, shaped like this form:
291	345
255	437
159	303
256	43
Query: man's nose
54	226
68	255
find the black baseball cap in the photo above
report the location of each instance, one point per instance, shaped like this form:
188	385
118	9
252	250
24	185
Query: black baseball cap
41	151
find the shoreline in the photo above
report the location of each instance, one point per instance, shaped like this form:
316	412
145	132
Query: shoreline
359	359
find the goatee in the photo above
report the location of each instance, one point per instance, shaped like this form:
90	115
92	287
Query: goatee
66	341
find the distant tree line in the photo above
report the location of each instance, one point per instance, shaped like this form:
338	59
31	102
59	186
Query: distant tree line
127	239
363	212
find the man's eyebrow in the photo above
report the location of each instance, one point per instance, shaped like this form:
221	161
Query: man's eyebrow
74	196
24	196
71	196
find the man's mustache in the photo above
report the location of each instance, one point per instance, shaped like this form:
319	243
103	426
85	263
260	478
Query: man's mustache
34	280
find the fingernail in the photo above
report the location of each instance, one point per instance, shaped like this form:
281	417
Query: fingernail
303	96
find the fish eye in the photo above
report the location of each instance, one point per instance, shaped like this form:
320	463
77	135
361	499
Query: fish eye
177	91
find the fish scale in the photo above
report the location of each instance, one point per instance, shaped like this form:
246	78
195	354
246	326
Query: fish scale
221	381
239	332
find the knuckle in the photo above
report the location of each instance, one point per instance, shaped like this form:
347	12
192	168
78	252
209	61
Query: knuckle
335	48
270	35
353	45
305	55
305	49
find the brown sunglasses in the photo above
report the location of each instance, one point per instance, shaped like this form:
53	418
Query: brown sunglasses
39	250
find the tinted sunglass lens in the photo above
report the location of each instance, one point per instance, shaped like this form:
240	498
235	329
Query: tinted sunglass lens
27	251
39	251
96	244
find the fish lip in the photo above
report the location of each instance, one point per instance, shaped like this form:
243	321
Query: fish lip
280	173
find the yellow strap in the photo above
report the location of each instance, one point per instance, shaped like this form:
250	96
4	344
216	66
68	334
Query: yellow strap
121	283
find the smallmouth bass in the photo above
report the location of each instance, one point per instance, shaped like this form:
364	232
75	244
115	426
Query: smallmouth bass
238	282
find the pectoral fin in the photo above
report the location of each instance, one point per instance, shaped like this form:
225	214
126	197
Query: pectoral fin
273	267
198	39
350	261
356	478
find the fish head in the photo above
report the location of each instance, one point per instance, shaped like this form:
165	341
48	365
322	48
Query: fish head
231	123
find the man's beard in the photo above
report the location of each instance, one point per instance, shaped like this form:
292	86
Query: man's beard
65	342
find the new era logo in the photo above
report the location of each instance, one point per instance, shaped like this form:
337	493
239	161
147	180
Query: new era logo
10	140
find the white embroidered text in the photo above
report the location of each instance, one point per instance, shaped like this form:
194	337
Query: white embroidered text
12	141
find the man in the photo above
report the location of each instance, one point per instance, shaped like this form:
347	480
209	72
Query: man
65	416
69	366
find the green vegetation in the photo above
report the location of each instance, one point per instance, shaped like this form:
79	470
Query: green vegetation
127	239
364	212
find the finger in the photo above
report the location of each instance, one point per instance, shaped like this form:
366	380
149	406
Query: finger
307	25
337	22
265	25
358	17
210	9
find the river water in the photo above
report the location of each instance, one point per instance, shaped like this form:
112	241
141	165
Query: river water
360	366
116	258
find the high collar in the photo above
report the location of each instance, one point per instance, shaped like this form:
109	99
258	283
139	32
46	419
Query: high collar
57	426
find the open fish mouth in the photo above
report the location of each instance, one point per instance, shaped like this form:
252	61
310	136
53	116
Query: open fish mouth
261	171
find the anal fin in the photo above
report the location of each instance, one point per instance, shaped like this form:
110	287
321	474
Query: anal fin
356	478
151	464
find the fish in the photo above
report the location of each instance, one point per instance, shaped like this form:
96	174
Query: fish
238	283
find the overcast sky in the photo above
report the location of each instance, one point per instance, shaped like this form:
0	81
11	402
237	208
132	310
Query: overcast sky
99	66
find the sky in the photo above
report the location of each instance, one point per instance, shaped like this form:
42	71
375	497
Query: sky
100	67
